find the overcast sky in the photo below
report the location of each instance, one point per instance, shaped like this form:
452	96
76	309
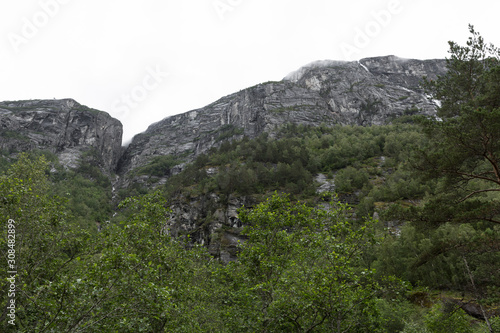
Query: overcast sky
144	60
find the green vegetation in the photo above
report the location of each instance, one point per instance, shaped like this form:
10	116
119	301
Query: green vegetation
13	135
301	269
290	161
228	131
159	166
308	262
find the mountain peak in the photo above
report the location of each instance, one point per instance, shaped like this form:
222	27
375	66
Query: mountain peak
297	74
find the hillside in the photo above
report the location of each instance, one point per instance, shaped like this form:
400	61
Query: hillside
328	95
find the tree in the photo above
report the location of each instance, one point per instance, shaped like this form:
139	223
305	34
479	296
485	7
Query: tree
460	217
140	279
131	277
45	248
464	145
301	270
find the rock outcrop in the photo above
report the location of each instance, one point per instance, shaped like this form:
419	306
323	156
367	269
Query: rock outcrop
210	222
63	127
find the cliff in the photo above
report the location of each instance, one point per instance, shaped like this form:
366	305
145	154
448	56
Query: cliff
372	91
63	127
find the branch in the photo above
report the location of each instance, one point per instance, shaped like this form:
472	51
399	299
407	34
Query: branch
471	176
61	302
477	192
489	220
477	294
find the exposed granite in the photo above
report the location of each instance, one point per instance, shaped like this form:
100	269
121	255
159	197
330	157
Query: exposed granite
63	127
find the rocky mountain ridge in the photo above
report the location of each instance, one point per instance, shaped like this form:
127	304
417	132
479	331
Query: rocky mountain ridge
372	91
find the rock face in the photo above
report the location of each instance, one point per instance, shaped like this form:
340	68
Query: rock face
63	127
372	91
210	222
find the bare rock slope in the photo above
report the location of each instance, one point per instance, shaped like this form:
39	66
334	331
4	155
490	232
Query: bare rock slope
63	127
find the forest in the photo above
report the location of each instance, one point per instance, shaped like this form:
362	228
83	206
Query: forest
408	240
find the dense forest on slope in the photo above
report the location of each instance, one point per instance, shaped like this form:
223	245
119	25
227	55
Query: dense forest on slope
391	228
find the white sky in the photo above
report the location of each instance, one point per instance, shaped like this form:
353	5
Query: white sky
144	60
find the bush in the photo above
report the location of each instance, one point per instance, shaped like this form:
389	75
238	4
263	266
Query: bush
447	318
159	166
350	179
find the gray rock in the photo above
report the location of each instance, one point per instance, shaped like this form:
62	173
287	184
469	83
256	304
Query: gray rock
209	222
63	127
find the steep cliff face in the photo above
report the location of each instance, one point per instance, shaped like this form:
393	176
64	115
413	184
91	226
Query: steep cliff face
63	127
371	91
210	222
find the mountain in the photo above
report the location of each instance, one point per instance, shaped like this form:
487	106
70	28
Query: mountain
372	91
63	127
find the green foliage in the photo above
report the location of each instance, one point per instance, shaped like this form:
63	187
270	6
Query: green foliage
87	190
159	166
472	78
447	318
300	270
13	135
47	244
434	258
402	184
495	324
141	276
394	314
465	144
414	327
350	179
289	162
457	167
228	131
